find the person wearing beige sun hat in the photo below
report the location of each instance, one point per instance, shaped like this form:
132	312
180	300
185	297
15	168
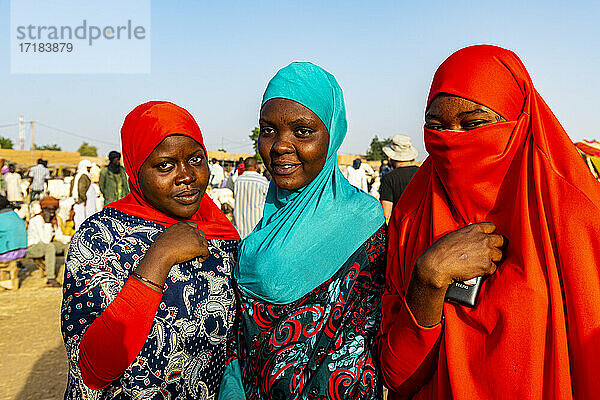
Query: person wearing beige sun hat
401	149
401	154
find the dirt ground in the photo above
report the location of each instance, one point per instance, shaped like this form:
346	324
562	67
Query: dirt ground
33	362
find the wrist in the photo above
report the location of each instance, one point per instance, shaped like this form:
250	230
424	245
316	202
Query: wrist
427	275
152	285
160	259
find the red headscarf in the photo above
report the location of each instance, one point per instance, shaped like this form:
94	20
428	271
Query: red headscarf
535	332
143	130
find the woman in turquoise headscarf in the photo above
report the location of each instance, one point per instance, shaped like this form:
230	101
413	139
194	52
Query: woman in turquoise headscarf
310	276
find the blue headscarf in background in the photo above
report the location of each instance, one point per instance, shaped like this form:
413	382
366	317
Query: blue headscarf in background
306	235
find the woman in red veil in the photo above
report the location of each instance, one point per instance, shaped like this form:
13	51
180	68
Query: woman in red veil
498	160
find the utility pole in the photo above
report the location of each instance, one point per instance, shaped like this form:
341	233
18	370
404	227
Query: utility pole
21	133
32	135
32	139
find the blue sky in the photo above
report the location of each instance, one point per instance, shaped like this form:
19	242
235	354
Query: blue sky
215	59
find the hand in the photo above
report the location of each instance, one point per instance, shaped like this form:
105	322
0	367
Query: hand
181	242
178	243
461	255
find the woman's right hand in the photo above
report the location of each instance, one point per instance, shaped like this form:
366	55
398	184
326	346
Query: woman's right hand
461	255
180	242
458	256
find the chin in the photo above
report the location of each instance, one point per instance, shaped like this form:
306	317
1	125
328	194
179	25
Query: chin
184	212
286	183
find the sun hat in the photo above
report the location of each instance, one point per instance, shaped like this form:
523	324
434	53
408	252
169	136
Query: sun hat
401	149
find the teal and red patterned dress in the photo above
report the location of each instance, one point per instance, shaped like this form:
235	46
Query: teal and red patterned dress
320	346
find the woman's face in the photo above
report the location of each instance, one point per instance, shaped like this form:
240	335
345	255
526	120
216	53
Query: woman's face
293	143
453	113
174	176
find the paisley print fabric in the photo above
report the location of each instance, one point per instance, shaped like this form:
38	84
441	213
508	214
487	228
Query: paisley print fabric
320	346
183	357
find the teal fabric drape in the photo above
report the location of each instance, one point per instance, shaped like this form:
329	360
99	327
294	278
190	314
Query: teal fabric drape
306	235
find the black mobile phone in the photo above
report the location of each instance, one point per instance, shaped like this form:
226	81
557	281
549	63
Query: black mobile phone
464	293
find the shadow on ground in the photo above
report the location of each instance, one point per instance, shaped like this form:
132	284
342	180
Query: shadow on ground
47	379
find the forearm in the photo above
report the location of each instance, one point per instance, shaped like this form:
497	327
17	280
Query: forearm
155	266
116	337
407	351
387	206
425	300
125	324
411	331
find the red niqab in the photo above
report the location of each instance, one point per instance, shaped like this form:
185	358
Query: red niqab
145	127
535	332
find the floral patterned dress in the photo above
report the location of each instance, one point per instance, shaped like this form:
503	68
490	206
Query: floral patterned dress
320	346
184	355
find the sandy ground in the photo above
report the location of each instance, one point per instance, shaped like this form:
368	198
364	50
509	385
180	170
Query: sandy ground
33	363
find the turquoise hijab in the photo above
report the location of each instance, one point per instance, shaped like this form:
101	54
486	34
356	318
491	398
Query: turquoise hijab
306	235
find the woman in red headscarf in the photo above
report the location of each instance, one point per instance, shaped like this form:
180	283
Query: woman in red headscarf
499	160
148	301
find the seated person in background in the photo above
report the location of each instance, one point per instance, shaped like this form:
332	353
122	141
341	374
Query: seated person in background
45	238
13	235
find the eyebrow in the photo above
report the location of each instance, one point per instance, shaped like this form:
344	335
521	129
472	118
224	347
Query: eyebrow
302	120
174	158
475	111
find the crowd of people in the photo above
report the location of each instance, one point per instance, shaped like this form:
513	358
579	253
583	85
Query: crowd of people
53	206
42	210
475	275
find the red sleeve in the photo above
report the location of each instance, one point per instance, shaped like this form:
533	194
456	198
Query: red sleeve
115	338
407	351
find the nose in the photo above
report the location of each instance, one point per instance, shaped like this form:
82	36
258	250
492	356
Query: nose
185	175
282	146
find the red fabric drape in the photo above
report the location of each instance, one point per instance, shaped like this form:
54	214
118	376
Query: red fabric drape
535	333
144	128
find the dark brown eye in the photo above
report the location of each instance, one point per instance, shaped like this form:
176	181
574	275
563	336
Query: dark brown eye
266	131
196	160
475	123
164	166
304	132
433	126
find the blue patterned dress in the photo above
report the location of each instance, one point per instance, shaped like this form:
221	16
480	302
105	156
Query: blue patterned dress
320	346
184	355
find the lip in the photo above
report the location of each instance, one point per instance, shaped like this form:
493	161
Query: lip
187	197
285	168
